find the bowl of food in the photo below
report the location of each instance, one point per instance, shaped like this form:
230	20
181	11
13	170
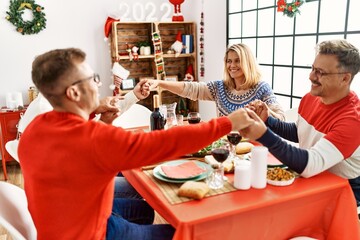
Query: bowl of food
280	177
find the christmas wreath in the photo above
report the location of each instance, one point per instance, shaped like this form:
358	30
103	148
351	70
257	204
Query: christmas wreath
289	9
16	10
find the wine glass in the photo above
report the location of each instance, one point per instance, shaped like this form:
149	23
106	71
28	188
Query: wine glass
194	117
220	151
234	138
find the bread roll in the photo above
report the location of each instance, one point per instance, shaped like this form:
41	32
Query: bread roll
228	166
191	189
244	147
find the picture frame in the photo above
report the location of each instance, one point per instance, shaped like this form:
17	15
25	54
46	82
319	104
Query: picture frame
172	78
128	84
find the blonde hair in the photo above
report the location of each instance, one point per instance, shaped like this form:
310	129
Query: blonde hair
248	65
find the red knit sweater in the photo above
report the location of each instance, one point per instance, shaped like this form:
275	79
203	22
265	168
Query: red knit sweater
69	166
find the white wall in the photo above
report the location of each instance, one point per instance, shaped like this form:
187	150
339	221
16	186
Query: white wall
215	46
80	24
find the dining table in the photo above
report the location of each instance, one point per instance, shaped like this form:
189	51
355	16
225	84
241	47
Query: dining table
320	207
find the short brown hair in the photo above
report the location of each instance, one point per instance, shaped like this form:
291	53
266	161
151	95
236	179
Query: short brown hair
347	54
49	67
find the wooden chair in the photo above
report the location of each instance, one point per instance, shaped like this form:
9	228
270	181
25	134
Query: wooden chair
14	214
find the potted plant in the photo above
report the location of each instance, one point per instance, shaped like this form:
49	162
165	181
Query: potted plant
145	48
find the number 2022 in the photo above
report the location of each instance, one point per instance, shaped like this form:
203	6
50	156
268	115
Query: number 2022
139	11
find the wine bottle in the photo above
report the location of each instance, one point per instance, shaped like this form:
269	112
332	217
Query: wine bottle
157	120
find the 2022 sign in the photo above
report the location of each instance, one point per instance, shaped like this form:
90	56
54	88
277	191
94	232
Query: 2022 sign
142	12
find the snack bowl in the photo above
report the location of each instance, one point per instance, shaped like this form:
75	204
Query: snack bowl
278	176
281	183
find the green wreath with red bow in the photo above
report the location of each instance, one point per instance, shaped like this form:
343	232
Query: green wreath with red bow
289	9
16	11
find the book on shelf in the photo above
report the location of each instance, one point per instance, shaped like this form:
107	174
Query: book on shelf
188	42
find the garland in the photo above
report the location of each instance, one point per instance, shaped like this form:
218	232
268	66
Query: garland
202	57
289	9
16	10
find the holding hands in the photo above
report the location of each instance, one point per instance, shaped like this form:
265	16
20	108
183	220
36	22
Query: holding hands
153	84
142	89
254	130
260	108
249	121
109	107
240	119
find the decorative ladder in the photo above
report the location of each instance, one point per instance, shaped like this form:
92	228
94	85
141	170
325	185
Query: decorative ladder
158	54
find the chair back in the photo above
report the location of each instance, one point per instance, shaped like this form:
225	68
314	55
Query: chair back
14	214
291	115
38	106
12	147
136	116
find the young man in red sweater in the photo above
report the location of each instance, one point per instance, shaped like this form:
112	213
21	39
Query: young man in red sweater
69	173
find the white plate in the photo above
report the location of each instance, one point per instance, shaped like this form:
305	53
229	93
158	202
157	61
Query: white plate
158	173
178	162
280	183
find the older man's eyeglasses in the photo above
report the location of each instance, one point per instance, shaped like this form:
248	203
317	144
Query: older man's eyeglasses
319	73
95	77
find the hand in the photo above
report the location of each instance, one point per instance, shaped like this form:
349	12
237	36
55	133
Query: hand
108	104
109	117
240	119
255	130
260	108
142	89
153	83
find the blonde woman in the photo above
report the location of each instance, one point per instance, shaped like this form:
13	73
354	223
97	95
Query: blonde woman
241	85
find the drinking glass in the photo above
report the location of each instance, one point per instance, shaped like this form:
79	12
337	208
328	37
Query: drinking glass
220	151
180	119
234	138
194	117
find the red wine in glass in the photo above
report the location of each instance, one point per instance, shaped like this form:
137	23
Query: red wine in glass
194	117
234	138
220	154
194	120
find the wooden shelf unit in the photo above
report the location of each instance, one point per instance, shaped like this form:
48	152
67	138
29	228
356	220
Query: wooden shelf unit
127	34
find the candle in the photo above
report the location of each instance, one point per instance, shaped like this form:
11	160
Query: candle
242	175
17	96
259	156
11	104
14	100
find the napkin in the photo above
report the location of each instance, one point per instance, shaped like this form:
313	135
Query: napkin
183	170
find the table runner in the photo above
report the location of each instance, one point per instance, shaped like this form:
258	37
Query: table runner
170	189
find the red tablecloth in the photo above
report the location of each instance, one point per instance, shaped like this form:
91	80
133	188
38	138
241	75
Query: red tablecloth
321	207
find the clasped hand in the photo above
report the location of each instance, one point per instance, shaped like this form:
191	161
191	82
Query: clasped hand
251	120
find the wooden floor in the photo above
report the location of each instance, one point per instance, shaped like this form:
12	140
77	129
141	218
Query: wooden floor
15	177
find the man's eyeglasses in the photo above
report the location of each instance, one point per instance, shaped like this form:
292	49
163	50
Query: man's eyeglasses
320	73
95	77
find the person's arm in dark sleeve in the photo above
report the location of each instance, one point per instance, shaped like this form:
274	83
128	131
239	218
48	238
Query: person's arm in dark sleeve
283	129
293	157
